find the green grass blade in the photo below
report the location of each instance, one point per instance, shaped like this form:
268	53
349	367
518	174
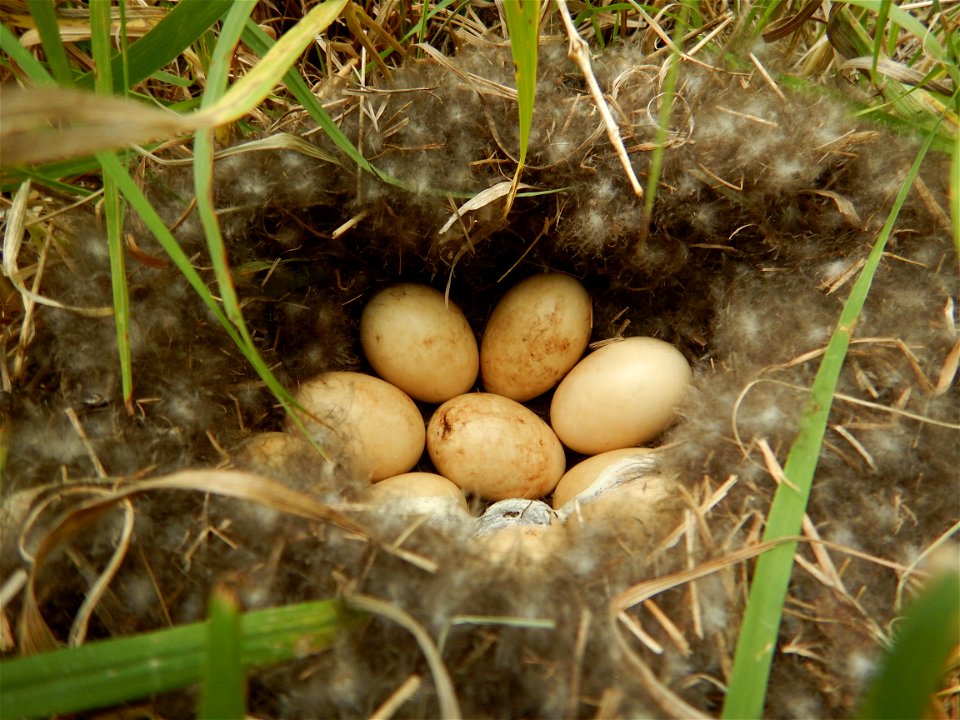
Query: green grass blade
913	669
523	23
31	67
955	192
104	673
880	31
909	23
138	201
55	176
261	43
114	214
113	207
203	163
771	578
44	14
251	89
223	694
180	28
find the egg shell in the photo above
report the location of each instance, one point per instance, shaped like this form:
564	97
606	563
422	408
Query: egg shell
621	395
514	512
603	471
372	422
536	333
494	447
405	490
420	343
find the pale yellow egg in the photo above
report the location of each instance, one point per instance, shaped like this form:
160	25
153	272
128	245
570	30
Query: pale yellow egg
599	473
536	333
420	343
494	447
621	395
407	491
376	425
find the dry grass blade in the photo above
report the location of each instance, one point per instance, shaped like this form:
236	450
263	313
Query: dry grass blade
898	71
78	631
397	698
481	199
12	241
44	124
579	52
787	26
36	635
669	701
449	706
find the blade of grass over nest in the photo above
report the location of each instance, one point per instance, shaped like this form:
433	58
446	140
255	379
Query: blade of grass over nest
203	164
203	149
223	693
100	674
138	201
880	32
757	641
523	24
261	43
178	29
49	176
45	16
251	89
913	669
32	68
955	193
113	207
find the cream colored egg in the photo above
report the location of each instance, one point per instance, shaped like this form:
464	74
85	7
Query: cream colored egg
420	343
599	473
624	394
376	425
537	332
494	447
645	510
407	491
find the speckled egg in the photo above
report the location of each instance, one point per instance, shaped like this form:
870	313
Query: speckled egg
494	447
536	333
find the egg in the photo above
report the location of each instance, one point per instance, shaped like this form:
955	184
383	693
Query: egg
420	343
494	447
407	493
623	394
599	473
536	333
641	511
376	425
422	497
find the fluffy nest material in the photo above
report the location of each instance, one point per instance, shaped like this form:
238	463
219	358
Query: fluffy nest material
769	202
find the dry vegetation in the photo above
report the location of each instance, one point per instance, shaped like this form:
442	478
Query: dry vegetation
773	184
